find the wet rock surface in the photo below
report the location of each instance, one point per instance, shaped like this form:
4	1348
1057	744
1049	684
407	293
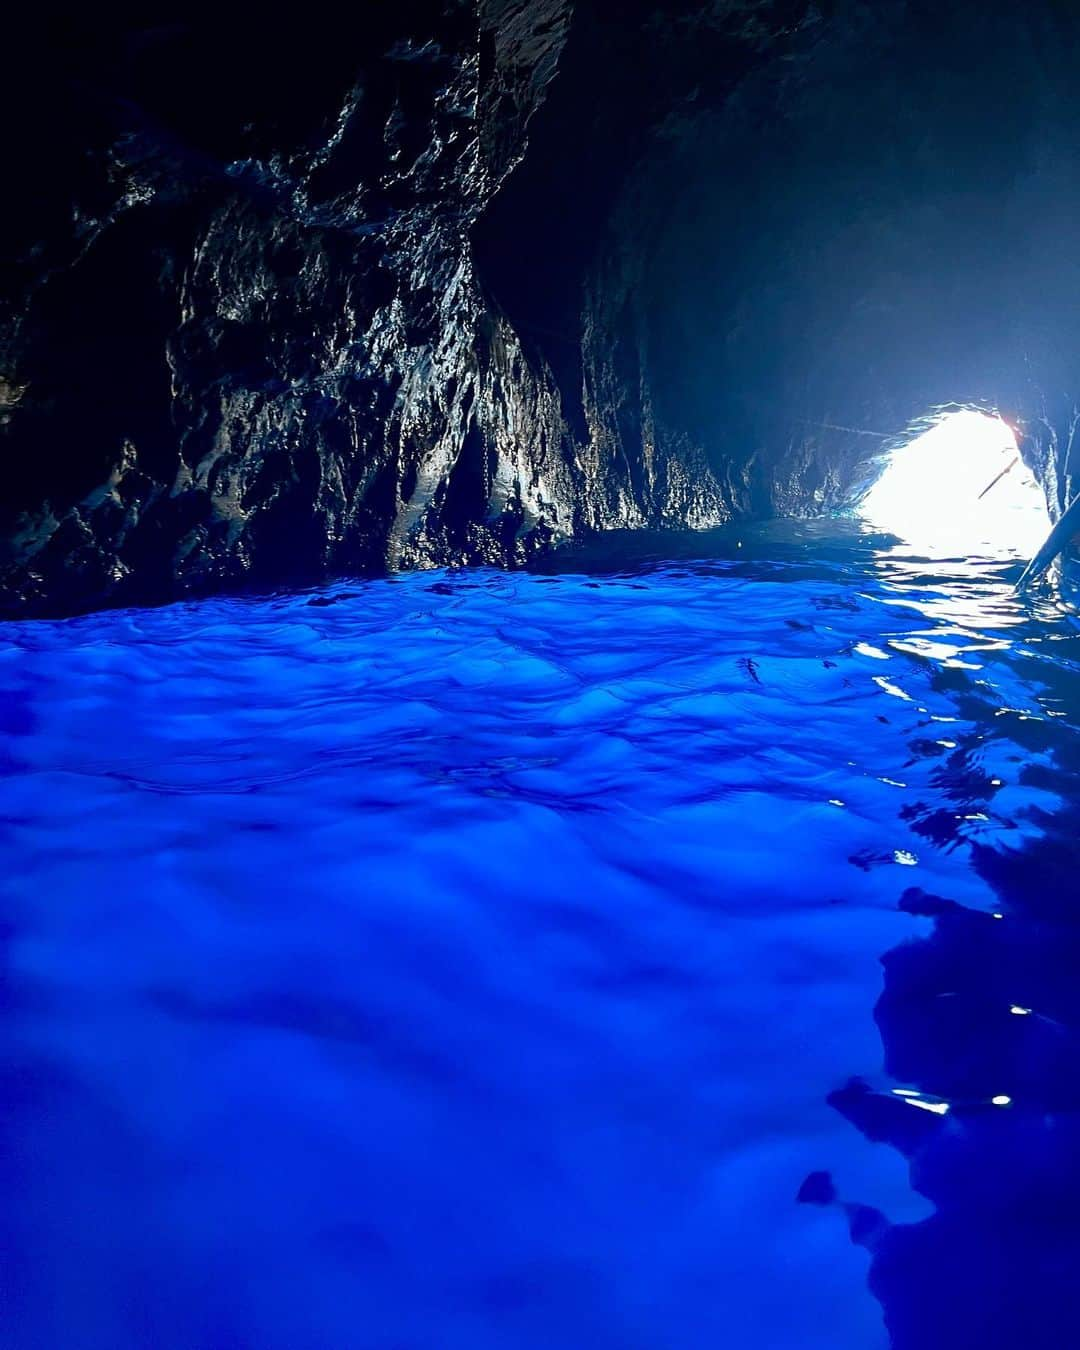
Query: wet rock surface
455	280
246	341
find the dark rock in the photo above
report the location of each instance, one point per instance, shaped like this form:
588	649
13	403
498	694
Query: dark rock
243	340
450	281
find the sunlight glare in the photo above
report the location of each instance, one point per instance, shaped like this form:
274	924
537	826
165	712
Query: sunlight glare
936	495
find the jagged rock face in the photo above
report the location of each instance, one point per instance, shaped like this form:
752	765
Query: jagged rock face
246	345
456	279
244	338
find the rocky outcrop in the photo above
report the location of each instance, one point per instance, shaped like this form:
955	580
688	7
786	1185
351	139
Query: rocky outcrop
273	364
454	280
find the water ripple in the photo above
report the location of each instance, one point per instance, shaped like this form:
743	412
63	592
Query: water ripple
472	960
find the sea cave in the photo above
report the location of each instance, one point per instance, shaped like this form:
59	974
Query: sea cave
539	676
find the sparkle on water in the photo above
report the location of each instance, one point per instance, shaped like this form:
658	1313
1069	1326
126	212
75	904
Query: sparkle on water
480	960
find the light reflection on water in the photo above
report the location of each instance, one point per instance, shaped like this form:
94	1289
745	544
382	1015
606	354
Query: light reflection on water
480	960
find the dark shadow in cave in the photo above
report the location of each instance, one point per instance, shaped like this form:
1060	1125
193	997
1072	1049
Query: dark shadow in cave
628	66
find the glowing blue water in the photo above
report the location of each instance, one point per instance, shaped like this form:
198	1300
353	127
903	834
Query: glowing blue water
480	960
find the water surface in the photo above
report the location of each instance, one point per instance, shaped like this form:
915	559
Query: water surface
480	960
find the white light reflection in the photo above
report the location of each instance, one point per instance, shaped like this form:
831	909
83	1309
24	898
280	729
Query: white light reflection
960	490
938	1108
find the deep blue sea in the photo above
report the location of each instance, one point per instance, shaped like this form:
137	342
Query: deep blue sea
671	958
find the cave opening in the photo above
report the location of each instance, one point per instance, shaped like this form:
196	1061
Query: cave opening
958	485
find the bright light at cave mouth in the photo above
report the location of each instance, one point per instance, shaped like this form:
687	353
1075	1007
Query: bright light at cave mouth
960	489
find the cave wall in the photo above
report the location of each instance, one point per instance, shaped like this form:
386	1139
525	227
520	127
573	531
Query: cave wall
877	221
242	335
449	281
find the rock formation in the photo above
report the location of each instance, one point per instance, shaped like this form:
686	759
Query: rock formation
447	281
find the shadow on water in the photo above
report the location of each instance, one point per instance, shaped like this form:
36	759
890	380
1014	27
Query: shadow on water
980	1018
